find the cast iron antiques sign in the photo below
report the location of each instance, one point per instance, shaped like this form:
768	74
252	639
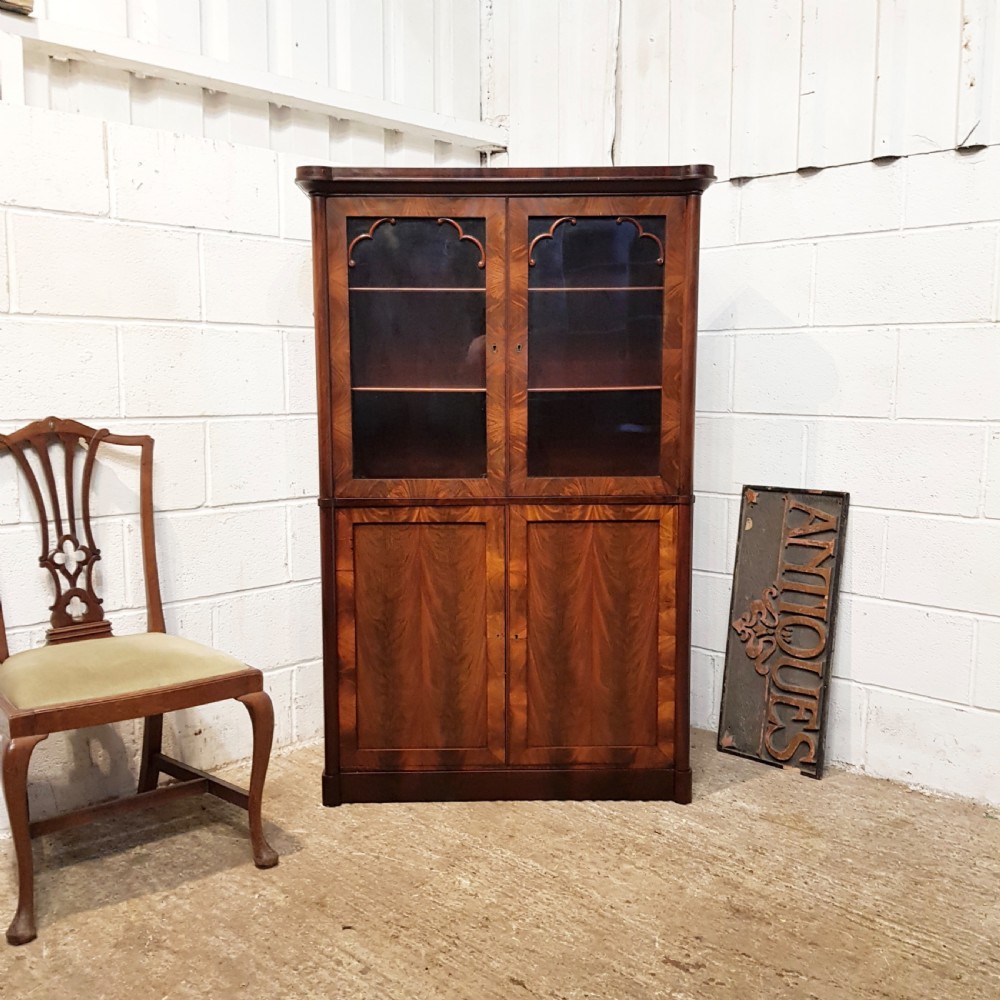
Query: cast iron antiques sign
788	558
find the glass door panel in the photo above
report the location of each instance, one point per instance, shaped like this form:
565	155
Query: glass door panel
424	285
590	352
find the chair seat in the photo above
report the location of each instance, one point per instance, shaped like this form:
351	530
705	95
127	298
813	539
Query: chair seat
108	667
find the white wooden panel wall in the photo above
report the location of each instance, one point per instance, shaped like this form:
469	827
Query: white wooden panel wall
755	87
418	53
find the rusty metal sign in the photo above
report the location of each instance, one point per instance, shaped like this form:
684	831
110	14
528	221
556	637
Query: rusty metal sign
788	557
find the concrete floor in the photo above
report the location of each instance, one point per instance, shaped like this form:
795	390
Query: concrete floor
769	885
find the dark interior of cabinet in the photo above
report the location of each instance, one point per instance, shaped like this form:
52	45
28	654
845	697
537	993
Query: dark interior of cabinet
419	434
596	252
595	339
417	313
594	433
595	336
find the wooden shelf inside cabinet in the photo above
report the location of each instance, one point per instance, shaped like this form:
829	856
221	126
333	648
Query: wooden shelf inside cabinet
414	388
594	388
604	288
398	288
506	408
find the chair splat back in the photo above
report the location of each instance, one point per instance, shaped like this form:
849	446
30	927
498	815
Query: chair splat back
47	453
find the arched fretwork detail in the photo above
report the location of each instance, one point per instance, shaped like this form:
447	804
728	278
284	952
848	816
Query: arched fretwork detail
465	236
370	235
643	235
547	236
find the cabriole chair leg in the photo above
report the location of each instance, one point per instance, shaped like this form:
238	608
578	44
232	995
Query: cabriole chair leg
261	711
16	755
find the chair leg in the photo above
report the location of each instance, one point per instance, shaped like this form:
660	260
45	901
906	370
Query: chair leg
16	755
261	711
152	742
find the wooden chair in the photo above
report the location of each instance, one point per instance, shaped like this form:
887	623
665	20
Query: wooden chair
84	676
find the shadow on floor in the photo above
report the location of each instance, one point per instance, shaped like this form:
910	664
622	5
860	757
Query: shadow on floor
161	849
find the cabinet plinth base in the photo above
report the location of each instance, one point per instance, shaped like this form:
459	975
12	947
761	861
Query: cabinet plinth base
508	784
682	787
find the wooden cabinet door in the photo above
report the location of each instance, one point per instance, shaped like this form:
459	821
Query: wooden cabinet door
592	635
420	610
601	345
414	359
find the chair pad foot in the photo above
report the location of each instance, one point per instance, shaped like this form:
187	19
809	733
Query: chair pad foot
21	930
266	858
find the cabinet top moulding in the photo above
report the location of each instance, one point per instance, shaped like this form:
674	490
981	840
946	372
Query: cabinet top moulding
503	181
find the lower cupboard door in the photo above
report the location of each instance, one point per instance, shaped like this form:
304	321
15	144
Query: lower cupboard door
420	637
592	635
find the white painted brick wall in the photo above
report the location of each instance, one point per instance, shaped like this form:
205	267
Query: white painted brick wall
59	168
188	181
755	287
4	281
850	342
927	276
869	355
993	474
261	460
949	373
176	371
80	267
57	349
257	281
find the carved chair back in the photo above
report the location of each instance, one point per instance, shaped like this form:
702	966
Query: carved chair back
57	458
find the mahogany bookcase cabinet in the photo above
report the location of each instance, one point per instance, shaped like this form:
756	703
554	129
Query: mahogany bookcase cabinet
505	369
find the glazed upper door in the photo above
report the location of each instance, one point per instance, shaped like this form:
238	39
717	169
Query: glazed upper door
417	347
598	297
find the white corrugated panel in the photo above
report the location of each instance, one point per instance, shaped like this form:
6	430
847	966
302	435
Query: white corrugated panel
423	55
495	62
235	31
838	82
534	83
644	91
409	75
357	65
919	56
456	58
158	103
97	91
979	85
766	63
456	73
701	81
588	32
298	39
108	16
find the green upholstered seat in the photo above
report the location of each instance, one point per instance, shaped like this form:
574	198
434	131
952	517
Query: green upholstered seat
108	667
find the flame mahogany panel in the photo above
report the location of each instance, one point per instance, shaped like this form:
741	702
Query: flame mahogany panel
420	599
593	622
